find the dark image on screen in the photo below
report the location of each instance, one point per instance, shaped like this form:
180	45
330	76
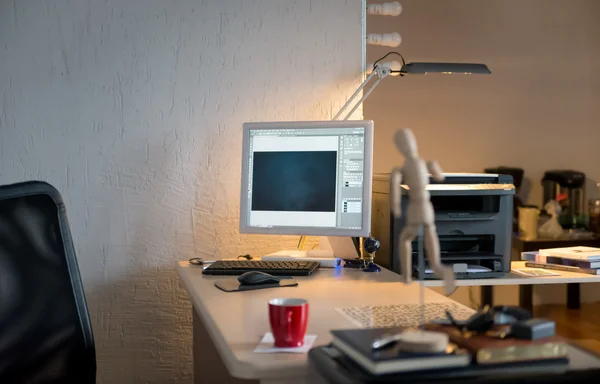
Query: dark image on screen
294	181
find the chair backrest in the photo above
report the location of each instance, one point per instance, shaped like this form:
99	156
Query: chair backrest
45	332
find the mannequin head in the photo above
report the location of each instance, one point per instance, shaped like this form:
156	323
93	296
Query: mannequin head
406	142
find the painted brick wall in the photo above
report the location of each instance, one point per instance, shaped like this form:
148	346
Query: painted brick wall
133	110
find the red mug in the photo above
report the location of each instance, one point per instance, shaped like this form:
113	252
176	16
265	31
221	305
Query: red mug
288	318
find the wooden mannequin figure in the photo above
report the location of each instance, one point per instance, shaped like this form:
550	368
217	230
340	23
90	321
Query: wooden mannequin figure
420	214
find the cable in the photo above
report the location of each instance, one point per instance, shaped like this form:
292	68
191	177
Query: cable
452	320
391	53
422	304
472	300
301	242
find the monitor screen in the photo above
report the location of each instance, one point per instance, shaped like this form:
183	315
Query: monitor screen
307	178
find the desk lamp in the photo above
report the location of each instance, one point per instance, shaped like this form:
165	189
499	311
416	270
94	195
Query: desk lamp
395	68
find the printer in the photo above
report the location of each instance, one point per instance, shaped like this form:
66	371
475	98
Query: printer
473	216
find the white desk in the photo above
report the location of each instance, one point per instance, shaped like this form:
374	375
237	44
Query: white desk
228	326
513	278
525	283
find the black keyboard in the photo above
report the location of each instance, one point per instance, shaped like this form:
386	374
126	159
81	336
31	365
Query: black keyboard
276	268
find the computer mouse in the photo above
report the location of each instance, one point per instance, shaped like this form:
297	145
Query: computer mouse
257	278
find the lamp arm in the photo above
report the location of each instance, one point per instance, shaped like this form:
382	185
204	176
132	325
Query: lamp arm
355	94
365	95
381	73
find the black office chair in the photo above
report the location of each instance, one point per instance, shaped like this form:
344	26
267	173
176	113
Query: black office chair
45	332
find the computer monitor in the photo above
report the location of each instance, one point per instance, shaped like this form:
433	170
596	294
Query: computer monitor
311	178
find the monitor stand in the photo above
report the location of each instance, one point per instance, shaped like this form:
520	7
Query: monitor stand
304	253
329	248
342	247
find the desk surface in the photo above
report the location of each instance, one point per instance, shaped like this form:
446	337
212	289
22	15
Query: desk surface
512	278
236	321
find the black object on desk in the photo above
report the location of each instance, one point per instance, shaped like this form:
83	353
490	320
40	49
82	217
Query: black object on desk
257	278
486	318
354	263
533	329
277	268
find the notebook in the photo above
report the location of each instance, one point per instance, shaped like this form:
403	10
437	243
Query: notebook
356	345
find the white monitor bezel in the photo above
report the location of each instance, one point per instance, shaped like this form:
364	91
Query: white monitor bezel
309	231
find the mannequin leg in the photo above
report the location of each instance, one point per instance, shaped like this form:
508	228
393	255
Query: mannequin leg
432	249
404	257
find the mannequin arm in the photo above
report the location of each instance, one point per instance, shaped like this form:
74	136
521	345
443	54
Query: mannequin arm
436	171
396	192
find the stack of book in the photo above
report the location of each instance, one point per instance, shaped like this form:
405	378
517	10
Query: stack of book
356	344
572	259
467	355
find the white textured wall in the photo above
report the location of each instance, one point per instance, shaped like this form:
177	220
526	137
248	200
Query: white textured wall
538	110
133	110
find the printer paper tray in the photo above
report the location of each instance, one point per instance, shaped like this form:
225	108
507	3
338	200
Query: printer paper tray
453	257
462	276
482	259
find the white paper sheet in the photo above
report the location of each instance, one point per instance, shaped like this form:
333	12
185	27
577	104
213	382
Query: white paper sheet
534	272
266	345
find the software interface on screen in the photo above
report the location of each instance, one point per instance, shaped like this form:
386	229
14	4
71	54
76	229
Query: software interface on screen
306	177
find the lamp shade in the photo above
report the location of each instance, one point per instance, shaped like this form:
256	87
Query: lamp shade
445	68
